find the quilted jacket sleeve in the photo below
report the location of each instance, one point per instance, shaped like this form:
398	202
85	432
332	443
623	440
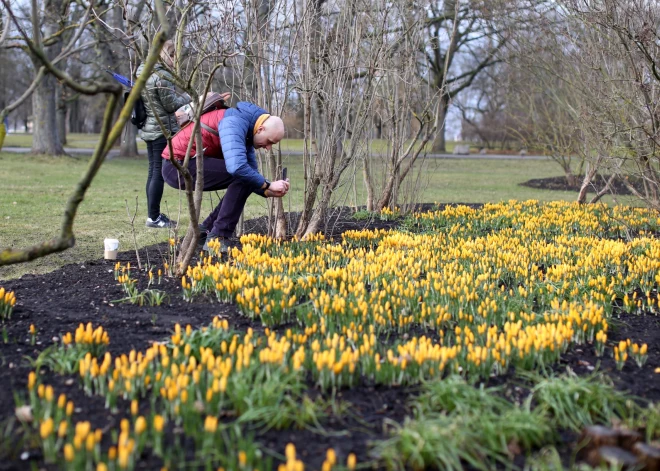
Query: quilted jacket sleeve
252	162
240	161
169	98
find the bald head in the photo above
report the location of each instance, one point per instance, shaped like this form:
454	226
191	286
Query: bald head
270	132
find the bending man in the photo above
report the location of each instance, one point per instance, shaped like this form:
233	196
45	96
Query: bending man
230	137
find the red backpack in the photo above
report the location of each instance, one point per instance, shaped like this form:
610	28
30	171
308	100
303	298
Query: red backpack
210	138
212	112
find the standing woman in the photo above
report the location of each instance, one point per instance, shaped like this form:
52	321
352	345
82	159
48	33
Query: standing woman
162	100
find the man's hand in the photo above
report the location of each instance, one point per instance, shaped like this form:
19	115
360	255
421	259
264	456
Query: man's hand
278	189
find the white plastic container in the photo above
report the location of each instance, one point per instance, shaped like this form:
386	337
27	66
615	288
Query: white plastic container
111	247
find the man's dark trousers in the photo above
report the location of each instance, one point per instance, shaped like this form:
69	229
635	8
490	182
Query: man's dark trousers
224	218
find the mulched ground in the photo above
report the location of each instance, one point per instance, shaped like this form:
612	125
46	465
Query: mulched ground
57	302
598	183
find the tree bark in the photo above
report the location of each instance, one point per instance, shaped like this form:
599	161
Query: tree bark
128	145
61	113
277	203
318	216
571	179
75	119
129	141
368	183
439	141
45	137
378	127
310	199
586	182
388	192
280	220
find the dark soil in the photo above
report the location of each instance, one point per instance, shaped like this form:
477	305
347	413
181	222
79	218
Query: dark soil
57	302
617	187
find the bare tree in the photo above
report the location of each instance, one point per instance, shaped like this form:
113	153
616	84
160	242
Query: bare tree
111	128
269	32
545	110
603	82
623	50
209	42
411	111
342	51
464	38
485	109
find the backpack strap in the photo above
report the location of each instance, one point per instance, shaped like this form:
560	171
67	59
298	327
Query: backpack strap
209	129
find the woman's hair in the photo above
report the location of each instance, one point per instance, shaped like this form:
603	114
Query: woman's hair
167	54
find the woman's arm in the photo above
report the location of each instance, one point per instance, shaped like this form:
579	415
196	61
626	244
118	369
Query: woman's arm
169	98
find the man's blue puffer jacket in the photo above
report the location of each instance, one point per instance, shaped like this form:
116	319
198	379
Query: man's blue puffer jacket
236	130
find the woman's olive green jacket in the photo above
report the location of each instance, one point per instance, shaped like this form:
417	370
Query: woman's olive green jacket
160	99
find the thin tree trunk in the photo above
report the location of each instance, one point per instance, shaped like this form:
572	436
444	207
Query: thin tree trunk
368	183
315	181
586	182
604	191
388	191
310	199
280	220
318	216
278	204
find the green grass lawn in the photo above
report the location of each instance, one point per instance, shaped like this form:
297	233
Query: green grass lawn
88	141
76	141
35	190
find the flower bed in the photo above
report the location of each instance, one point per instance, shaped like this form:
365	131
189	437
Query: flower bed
476	293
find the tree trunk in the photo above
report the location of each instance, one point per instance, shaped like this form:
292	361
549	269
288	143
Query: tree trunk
128	146
280	220
61	113
129	141
388	191
327	188
318	216
277	204
586	182
570	178
45	135
75	121
313	184
310	198
378	127
45	138
439	143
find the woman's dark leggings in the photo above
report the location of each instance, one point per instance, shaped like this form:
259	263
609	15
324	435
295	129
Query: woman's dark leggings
155	182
